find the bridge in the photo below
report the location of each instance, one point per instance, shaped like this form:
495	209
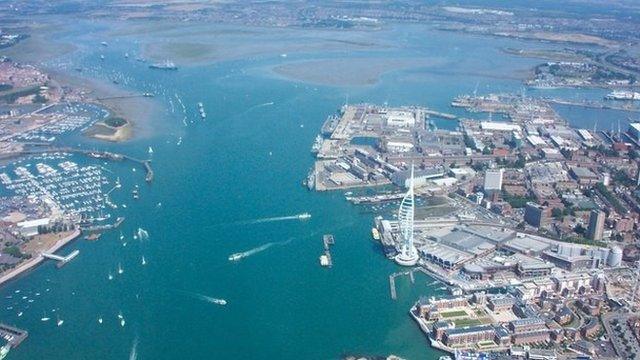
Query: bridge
62	260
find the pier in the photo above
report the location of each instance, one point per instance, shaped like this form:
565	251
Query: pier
126	96
62	260
592	105
104	227
13	335
412	278
146	164
325	258
440	114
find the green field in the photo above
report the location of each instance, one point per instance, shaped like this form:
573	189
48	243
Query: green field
455	313
467	322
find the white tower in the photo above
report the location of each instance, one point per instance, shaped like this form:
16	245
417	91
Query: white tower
408	255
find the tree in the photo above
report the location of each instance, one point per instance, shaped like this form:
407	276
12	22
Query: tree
557	213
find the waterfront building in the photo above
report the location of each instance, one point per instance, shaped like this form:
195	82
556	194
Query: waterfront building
493	180
596	225
468	335
407	255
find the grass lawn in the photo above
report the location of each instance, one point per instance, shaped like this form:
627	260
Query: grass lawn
455	313
467	322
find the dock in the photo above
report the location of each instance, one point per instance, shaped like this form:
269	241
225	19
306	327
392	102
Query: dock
13	335
126	96
440	114
392	286
326	259
95	228
62	260
146	164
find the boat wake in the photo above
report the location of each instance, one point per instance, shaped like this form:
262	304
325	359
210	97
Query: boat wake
142	234
259	249
205	298
303	216
133	355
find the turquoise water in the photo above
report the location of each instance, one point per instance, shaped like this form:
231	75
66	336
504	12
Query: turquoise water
244	163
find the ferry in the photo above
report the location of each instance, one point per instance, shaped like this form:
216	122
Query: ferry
235	257
304	216
167	65
4	351
375	233
623	95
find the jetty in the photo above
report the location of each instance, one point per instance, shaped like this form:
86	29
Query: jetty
146	164
126	96
325	258
13	335
104	227
62	260
440	114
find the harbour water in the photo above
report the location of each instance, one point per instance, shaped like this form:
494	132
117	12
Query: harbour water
245	161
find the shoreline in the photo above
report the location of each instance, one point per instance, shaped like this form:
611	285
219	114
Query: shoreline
32	263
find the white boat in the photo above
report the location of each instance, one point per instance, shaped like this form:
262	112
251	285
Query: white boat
219	301
121	236
45	318
60	321
20	314
235	257
623	95
99	320
110	277
150	150
122	322
143	262
304	216
120	270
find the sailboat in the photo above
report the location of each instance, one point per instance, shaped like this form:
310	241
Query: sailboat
144	262
120	271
